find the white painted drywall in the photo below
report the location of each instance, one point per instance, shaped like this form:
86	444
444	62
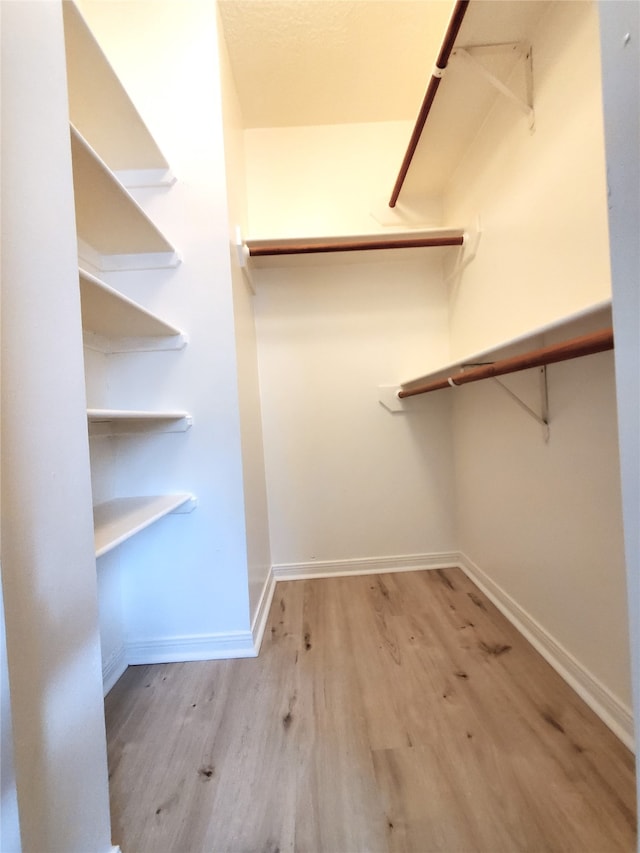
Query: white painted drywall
9	818
543	521
346	478
48	568
540	196
620	40
255	490
329	179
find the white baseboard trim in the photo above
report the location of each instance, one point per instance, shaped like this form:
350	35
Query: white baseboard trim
245	644
262	611
365	566
113	668
617	716
235	644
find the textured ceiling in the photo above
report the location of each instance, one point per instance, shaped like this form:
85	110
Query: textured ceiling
309	62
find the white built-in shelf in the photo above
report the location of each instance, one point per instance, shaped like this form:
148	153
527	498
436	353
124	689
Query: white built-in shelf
274	251
114	323
127	421
118	520
114	232
100	107
593	318
465	96
596	316
112	149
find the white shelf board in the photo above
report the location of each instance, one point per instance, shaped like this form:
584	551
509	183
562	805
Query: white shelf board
127	421
117	132
118	520
114	323
108	218
464	98
600	311
140	178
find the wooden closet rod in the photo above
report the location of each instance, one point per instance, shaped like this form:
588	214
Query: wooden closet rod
261	250
574	348
441	63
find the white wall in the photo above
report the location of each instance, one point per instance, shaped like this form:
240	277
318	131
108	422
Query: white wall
620	34
48	567
255	491
541	197
184	580
329	179
346	479
9	817
543	521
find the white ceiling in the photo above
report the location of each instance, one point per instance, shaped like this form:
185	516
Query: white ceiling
310	62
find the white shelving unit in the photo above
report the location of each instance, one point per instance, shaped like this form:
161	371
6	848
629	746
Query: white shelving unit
118	520
111	149
114	323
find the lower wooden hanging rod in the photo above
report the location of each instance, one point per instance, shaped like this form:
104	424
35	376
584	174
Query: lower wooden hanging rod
574	348
303	247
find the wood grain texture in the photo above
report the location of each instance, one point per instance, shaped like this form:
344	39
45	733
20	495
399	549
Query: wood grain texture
272	248
396	712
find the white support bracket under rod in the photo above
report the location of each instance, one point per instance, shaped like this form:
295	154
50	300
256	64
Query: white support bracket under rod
543	417
242	254
524	51
468	251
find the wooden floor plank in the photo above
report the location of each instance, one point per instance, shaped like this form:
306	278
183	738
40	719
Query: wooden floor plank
385	713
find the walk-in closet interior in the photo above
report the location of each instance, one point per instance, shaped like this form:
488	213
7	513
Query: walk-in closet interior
230	257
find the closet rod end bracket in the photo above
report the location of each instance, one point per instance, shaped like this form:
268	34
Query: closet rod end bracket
243	255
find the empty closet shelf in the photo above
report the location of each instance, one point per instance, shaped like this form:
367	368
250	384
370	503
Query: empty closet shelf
113	230
118	421
583	345
112	322
118	520
121	137
484	54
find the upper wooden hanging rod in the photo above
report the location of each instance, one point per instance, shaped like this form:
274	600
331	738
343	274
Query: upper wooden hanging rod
574	348
266	248
451	34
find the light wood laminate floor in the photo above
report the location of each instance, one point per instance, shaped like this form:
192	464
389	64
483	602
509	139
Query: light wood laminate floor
395	712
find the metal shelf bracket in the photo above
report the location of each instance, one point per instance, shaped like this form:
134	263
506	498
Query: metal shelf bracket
523	51
543	417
